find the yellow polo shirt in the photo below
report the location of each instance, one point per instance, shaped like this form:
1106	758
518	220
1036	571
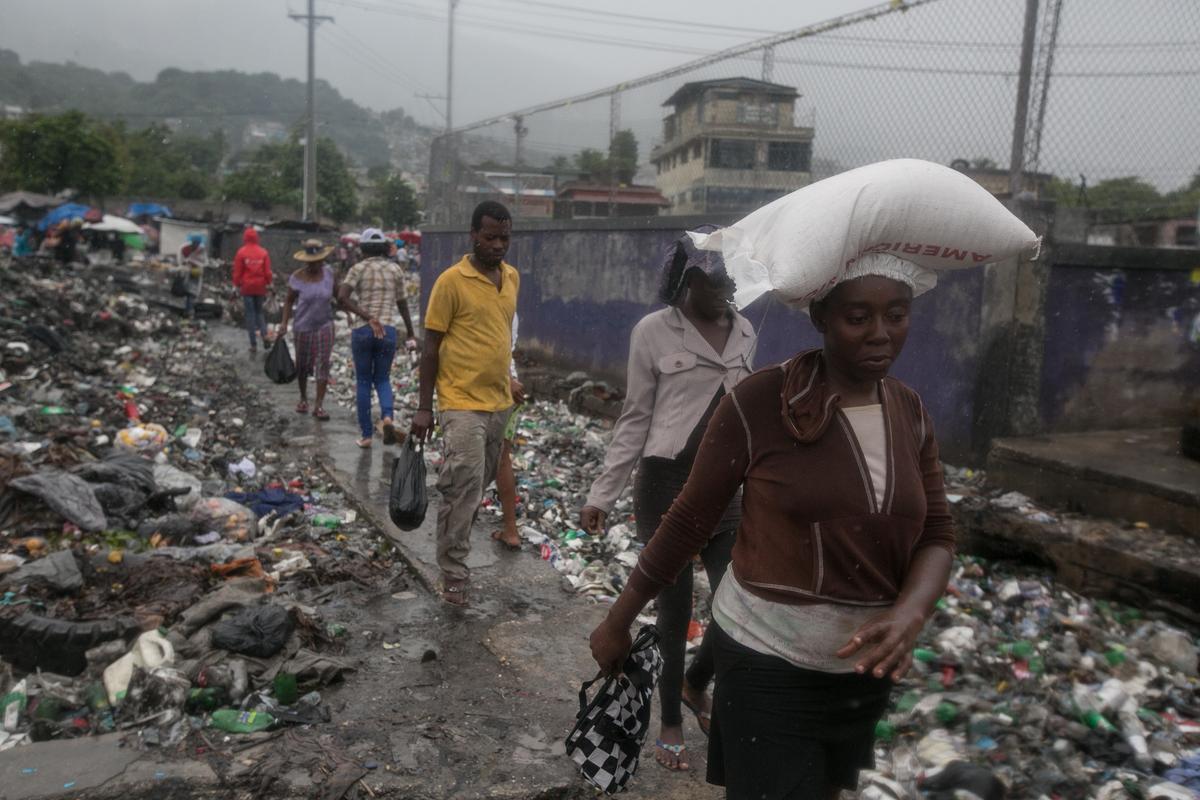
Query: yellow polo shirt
475	319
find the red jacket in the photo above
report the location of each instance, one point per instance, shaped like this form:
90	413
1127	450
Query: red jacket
252	266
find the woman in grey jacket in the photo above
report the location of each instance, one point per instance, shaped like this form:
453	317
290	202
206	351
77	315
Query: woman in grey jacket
682	360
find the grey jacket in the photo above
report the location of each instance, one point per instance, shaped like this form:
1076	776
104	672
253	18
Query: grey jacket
673	375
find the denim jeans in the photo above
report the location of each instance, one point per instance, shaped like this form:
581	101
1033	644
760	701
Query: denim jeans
372	370
256	317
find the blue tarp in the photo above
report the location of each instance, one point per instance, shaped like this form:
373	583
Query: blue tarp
147	209
65	211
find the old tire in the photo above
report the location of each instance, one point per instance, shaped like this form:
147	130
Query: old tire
57	645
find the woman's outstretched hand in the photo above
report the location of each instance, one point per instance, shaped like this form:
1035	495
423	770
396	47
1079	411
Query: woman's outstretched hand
885	643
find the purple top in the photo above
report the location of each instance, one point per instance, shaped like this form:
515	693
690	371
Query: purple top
313	309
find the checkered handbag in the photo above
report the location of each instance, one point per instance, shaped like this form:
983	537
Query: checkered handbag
610	729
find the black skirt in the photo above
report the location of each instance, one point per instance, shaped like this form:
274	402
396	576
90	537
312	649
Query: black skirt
780	732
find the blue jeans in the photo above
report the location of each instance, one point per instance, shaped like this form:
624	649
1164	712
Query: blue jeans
372	370
256	317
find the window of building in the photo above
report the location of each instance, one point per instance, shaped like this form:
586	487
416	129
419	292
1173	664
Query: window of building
683	156
789	156
1185	236
669	128
739	198
750	113
731	153
697	196
581	209
697	150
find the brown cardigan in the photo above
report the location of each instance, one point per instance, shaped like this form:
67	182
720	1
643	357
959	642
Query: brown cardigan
812	531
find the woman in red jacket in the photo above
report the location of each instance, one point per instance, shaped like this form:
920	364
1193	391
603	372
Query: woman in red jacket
844	547
252	277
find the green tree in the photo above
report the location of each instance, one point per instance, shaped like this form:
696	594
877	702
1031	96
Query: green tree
393	201
592	163
51	153
160	163
274	174
623	156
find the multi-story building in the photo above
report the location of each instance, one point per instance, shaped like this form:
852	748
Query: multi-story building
731	145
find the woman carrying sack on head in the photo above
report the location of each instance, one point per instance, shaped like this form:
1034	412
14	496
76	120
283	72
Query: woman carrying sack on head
310	294
682	360
845	546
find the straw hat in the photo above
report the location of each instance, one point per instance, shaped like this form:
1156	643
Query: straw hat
313	250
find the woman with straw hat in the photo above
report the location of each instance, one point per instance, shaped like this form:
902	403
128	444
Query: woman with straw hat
310	294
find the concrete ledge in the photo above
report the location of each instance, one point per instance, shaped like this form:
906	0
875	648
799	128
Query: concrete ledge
1129	475
1144	568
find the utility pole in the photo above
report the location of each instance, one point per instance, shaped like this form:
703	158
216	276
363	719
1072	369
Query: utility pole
450	69
521	131
614	126
1016	162
310	121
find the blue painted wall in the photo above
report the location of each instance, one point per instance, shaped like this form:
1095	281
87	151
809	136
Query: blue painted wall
582	291
1121	347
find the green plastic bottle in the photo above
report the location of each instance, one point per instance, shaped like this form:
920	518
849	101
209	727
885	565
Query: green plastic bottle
1115	655
924	654
327	521
946	712
1021	649
1096	721
232	720
885	731
908	701
207	699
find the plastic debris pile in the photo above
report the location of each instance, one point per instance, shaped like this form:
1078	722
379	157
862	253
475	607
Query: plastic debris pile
163	552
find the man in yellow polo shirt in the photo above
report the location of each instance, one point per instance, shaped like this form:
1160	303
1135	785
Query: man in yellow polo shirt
468	347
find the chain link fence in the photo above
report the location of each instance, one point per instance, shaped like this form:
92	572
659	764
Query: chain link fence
1111	121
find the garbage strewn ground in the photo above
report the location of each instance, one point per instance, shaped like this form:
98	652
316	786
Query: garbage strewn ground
180	574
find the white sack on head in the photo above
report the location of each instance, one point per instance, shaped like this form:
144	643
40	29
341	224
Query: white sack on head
800	245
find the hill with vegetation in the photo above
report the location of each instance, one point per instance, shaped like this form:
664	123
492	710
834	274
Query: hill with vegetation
202	103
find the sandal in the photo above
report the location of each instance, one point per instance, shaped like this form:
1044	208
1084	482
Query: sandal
703	718
676	750
364	443
454	592
498	538
321	415
302	407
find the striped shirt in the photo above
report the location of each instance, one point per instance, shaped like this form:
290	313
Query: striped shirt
377	284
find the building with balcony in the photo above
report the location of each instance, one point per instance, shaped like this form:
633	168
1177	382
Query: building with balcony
731	145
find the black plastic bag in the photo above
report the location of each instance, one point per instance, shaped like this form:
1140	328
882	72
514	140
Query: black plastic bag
409	497
260	632
280	367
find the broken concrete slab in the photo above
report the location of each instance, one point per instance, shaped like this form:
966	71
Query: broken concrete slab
1134	475
69	766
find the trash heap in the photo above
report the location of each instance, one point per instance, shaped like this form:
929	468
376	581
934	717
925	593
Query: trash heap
162	556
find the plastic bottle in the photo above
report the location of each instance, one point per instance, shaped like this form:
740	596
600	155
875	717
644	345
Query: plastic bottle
1022	649
327	521
97	700
150	650
925	655
13	704
946	712
232	720
885	731
208	699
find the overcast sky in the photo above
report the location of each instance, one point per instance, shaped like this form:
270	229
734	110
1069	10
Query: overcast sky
936	82
383	52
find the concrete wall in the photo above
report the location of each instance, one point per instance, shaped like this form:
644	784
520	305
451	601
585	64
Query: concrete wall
1122	340
1071	344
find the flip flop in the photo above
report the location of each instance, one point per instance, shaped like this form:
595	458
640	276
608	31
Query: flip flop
364	443
302	408
703	718
676	750
513	547
321	415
